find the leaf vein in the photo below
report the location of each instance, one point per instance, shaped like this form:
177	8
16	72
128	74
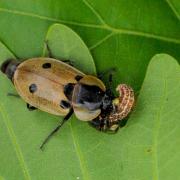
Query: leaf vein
101	41
94	12
156	131
108	28
79	155
170	4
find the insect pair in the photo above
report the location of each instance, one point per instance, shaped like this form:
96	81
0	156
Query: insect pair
58	88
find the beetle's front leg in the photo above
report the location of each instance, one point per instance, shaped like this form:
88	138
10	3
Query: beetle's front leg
108	72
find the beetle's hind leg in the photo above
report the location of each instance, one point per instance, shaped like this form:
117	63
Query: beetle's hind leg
67	117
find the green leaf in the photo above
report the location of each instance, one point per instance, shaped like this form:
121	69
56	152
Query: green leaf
65	44
152	135
146	148
5	53
120	34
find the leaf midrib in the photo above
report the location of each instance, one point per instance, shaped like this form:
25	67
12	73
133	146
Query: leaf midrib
79	154
97	26
156	131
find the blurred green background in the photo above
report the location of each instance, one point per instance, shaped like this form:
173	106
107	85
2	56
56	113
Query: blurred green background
124	34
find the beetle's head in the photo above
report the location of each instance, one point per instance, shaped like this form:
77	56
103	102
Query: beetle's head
8	67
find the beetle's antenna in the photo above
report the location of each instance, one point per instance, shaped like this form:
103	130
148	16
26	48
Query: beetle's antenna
57	128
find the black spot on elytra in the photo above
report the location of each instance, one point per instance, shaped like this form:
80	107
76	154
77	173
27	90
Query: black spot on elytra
46	65
32	88
64	104
78	77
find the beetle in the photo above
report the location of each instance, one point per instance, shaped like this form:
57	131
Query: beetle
57	88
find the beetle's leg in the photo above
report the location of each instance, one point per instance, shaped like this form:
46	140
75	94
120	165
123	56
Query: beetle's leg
99	124
123	122
110	79
108	72
57	128
31	108
68	115
68	62
49	53
113	128
95	123
14	95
